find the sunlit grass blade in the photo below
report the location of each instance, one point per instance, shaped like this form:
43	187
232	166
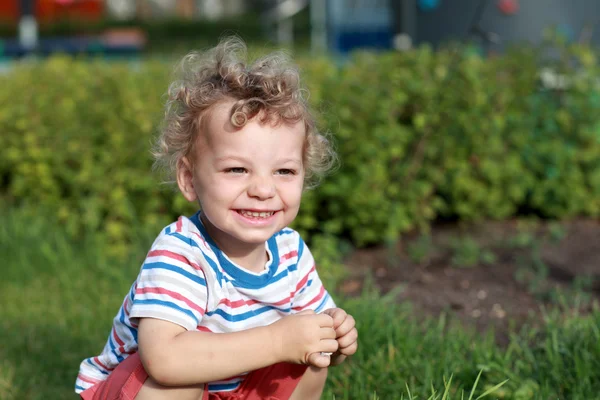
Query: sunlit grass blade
491	390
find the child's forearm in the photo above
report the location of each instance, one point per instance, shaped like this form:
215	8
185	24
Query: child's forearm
194	357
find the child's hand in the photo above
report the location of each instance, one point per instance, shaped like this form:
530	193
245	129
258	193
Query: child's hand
346	334
300	335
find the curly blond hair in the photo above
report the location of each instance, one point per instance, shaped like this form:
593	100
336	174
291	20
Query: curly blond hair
268	88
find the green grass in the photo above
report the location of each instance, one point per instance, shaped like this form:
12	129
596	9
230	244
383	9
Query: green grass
57	300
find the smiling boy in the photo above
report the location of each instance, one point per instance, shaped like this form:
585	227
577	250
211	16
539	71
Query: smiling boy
228	303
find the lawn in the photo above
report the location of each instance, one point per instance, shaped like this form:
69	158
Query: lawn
57	299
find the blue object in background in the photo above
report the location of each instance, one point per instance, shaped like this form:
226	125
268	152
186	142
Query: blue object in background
428	5
355	24
11	48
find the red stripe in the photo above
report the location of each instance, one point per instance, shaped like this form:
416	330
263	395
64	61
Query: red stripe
97	360
314	300
178	225
303	281
287	256
117	338
281	302
125	310
88	380
201	238
237	303
203	329
174	256
242	302
121	348
171	294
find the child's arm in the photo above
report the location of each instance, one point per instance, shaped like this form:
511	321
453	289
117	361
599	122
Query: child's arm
173	356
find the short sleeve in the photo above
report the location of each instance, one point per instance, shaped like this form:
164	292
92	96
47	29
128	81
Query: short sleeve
171	285
310	294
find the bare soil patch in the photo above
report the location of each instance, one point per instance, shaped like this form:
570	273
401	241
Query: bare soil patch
490	275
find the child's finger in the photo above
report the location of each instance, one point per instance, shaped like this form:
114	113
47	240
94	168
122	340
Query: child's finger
325	321
348	351
320	360
328	333
346	326
338	316
348	339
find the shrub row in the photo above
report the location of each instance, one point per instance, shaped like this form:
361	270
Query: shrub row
421	135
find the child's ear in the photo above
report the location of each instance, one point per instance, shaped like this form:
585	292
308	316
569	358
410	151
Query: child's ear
185	179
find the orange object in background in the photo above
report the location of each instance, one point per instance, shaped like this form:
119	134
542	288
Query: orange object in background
55	10
9	11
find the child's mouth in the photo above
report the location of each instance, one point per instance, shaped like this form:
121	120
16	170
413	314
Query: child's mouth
256	214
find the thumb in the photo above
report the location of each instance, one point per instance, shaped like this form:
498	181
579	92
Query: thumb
319	360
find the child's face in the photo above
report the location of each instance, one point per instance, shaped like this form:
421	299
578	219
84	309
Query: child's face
248	181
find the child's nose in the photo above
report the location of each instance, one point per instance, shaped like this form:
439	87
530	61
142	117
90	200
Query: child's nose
262	187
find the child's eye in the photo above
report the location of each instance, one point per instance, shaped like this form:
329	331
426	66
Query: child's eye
286	172
236	170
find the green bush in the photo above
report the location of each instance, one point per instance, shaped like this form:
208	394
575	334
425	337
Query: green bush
426	135
421	135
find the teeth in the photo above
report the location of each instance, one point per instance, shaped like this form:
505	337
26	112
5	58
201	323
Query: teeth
256	214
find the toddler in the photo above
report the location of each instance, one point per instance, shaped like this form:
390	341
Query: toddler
228	303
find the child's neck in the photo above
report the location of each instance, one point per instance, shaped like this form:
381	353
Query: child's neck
254	262
250	257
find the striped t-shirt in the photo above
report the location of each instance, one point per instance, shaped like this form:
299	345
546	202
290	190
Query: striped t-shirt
187	280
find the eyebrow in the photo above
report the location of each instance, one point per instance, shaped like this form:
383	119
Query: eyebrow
242	159
231	158
290	160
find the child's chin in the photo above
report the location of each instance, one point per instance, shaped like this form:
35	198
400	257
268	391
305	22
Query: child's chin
257	239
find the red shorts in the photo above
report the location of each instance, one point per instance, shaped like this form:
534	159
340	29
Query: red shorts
276	382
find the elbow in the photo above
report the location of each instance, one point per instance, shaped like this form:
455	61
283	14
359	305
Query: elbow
160	368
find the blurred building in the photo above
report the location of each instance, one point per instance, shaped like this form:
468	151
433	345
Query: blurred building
494	23
51	10
344	25
143	9
60	10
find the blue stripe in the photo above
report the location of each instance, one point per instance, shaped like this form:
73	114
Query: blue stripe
170	267
308	283
132	331
223	387
293	267
168	304
215	268
191	242
277	277
300	248
132	291
184	239
247	314
285	231
325	298
113	348
77	387
89	361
